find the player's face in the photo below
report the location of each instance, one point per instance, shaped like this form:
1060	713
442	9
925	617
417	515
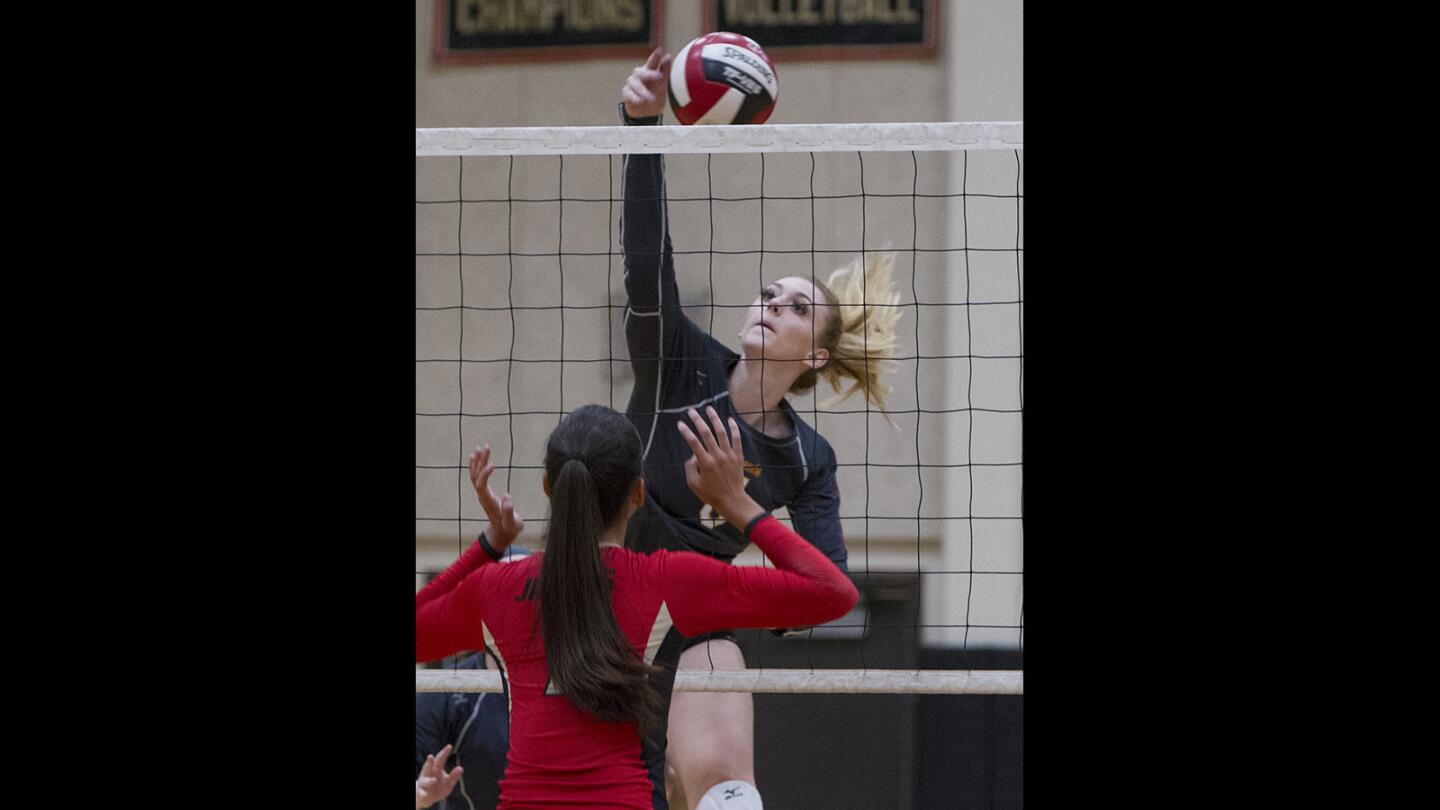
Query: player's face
783	322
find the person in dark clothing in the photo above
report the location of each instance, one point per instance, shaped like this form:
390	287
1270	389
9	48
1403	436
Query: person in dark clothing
477	726
798	332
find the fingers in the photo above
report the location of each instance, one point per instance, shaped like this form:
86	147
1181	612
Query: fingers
642	89
504	519
695	446
635	92
707	436
722	438
654	68
485	495
478	460
453	777
693	477
717	439
480	471
434	767
657	64
642	85
512	520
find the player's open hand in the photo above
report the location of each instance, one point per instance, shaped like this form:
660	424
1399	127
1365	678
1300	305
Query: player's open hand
434	784
505	523
714	473
644	92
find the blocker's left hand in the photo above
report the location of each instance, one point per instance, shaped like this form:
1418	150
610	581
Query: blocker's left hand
505	522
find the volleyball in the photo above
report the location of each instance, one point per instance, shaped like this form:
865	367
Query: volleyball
723	78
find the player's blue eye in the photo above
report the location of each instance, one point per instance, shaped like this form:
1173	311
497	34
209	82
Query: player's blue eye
799	307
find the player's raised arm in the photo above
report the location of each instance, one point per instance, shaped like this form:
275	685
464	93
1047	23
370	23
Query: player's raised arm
803	588
656	328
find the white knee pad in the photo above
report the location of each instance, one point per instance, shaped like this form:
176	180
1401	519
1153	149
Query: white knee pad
731	795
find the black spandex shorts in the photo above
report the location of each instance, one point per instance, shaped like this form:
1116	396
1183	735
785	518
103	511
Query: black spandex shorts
718	635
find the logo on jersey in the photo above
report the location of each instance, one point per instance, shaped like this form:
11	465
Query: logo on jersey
751	469
528	592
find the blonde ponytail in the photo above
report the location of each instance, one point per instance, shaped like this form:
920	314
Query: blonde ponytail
859	330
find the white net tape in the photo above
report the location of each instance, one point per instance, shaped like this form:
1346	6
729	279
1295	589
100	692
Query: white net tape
879	681
720	139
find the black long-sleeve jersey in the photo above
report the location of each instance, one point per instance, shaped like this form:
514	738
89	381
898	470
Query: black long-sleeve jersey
679	366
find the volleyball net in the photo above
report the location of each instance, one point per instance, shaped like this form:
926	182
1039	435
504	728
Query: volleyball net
519	320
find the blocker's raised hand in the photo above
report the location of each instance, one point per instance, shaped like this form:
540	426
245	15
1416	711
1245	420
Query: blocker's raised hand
715	473
505	522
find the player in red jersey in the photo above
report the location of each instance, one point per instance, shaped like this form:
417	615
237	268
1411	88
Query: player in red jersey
577	627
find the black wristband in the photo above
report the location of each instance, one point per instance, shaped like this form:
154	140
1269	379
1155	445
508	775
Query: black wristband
643	121
751	524
489	549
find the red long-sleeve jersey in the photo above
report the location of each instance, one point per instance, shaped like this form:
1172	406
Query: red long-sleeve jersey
560	756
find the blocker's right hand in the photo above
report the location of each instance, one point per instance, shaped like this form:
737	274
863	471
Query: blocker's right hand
714	473
644	92
505	523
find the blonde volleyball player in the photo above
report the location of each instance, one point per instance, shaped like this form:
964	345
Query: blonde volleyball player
797	332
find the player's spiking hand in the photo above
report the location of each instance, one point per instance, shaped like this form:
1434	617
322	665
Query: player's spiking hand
644	92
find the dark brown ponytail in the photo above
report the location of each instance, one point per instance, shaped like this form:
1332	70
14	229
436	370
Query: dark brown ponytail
592	461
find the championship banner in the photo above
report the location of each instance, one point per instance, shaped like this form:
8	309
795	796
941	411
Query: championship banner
482	31
831	29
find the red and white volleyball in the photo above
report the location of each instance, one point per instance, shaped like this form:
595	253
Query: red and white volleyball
723	78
